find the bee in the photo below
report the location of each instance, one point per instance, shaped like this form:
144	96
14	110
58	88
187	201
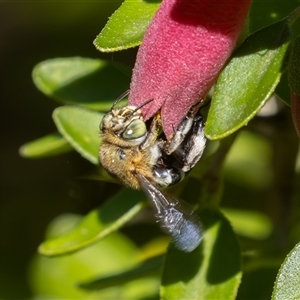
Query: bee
139	156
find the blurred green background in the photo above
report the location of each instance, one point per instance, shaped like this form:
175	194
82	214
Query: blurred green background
34	192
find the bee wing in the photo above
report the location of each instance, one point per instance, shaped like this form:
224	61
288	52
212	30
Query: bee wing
175	217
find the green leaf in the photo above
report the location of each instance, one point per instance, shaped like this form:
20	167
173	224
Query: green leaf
251	224
126	27
48	145
142	269
248	80
92	83
212	271
80	128
287	285
97	224
58	277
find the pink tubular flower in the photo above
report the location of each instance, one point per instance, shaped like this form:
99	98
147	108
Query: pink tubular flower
183	51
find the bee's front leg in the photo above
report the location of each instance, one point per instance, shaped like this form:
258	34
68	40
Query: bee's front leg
152	134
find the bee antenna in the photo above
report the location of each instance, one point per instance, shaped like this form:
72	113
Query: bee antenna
120	98
140	106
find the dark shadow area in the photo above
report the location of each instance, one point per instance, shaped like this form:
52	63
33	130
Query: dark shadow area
225	258
199	13
262	279
271	37
182	266
152	1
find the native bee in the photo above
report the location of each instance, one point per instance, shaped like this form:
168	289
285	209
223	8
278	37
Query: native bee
140	156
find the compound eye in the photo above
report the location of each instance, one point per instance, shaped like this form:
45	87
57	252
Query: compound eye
137	128
101	125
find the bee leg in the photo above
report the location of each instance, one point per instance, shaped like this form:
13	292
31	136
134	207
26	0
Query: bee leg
152	134
181	132
192	147
188	153
166	176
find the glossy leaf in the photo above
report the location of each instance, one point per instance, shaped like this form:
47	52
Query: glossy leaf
126	27
267	12
212	271
80	127
248	80
92	83
48	145
287	285
97	224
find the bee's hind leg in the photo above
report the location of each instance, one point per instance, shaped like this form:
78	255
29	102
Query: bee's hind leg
191	139
181	132
192	147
